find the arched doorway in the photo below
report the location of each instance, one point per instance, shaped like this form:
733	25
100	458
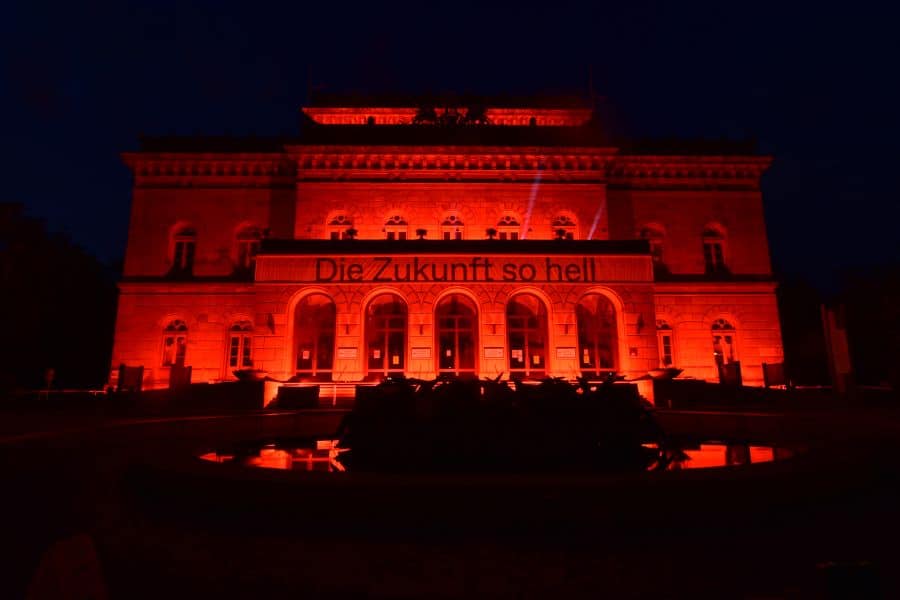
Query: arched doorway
386	318
314	324
457	335
526	326
597	338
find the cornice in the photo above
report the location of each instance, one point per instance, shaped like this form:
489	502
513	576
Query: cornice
445	163
747	284
210	170
648	171
483	163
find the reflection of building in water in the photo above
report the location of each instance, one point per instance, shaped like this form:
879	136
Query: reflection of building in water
384	241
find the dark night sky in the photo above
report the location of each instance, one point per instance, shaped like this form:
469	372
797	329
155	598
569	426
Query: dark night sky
817	86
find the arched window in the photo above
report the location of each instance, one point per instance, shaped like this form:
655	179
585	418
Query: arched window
314	336
396	228
457	335
597	339
724	347
386	318
526	327
508	228
337	227
563	227
174	343
654	236
714	249
248	240
240	345
452	228
665	340
184	241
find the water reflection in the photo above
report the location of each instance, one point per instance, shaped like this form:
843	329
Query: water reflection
721	454
324	456
302	455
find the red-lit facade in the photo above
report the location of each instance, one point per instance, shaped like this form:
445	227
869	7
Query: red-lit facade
375	243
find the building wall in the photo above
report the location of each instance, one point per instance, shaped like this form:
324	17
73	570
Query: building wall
209	310
683	215
425	205
146	309
216	214
217	195
691	309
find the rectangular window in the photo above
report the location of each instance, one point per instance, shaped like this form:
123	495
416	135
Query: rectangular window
665	348
723	349
183	257
713	256
239	352
656	251
247	251
174	347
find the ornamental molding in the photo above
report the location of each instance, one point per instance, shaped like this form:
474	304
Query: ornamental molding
687	171
215	170
539	117
444	163
481	163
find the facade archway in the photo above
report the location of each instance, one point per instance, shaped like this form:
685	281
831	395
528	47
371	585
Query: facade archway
598	349
527	338
386	325
314	337
456	335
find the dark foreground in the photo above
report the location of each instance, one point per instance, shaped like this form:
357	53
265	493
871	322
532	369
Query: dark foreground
138	519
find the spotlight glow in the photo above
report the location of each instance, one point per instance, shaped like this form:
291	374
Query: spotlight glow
534	189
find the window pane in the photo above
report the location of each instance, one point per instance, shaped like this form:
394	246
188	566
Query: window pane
247	362
233	352
180	350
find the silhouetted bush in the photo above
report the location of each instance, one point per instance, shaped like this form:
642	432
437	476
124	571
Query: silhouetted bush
467	425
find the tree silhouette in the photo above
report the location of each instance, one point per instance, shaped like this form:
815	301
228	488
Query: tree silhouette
58	305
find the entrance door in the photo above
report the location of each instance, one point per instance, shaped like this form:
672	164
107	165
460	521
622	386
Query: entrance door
457	331
526	324
597	339
314	325
386	336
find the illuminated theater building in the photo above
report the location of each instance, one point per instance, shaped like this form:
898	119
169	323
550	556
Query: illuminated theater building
518	242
